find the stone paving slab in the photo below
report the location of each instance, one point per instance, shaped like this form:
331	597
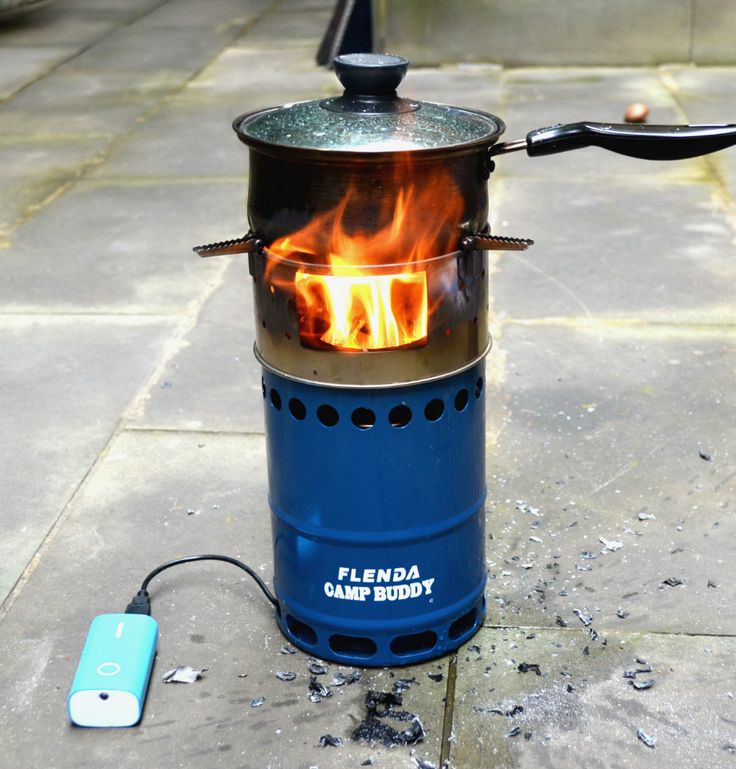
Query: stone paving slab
120	248
182	140
244	77
18	196
581	712
212	16
283	28
479	86
58	24
173	51
158	496
56	373
34	170
22	65
706	95
214	381
628	248
535	98
119	6
595	427
48	160
81	104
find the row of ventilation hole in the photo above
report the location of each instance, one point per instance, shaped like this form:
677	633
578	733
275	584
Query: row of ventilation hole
365	418
357	646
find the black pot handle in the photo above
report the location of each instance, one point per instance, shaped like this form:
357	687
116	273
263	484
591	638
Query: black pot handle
650	142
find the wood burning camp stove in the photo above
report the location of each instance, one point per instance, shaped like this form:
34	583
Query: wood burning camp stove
368	217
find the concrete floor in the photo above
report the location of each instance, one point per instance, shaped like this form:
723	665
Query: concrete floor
132	427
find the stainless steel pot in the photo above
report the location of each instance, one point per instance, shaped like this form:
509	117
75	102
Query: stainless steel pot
366	147
304	156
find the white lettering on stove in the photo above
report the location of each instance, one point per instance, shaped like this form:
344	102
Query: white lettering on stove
410	584
396	574
347	592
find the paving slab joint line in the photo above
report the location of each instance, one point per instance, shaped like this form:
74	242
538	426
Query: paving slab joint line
155	181
61	313
134	428
449	714
621	630
174	345
592	323
40	551
246	28
722	197
170	349
79	51
99	160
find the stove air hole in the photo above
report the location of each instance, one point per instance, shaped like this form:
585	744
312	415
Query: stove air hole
263	386
328	415
478	389
297	408
364	418
353	646
305	633
434	409
461	400
414	643
399	416
463	625
275	399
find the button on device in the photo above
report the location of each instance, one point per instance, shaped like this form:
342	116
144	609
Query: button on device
108	669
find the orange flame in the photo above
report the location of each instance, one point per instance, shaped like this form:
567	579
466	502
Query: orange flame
351	301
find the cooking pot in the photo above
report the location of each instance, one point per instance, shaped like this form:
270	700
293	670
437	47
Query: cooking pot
369	162
306	157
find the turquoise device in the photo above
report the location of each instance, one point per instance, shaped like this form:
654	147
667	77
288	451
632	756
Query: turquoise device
111	681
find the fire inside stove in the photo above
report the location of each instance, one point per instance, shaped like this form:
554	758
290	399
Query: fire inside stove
367	289
370	312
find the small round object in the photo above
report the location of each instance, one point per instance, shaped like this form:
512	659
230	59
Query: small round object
638	112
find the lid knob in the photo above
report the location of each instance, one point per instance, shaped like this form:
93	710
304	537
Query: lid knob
370	81
370	74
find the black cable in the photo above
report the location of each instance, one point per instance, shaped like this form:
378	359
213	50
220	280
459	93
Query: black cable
141	604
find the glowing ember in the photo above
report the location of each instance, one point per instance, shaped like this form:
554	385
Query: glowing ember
369	290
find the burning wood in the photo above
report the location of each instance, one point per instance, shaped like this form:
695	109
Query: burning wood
367	289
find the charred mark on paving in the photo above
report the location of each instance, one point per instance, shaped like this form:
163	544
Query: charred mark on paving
317	691
525	667
340	679
381	706
327	740
673	581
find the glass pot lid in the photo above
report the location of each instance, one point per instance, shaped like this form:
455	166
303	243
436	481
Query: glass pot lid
369	116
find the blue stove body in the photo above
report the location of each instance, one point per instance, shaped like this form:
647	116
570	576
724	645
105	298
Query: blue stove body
377	501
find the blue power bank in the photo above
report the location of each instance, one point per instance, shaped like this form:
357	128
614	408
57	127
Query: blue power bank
111	681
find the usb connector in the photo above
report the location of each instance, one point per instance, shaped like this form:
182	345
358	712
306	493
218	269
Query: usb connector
141	603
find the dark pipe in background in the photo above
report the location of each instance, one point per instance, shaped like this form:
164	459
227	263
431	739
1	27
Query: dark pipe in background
349	31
